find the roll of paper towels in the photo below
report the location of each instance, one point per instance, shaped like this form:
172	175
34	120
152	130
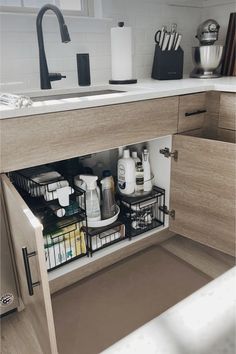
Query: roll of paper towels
121	52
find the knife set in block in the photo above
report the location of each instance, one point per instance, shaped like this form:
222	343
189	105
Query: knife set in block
168	64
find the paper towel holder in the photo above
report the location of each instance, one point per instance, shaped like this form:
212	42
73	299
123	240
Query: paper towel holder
122	82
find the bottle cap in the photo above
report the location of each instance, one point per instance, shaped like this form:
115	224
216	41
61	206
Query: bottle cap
121	24
134	154
91	181
106	173
126	153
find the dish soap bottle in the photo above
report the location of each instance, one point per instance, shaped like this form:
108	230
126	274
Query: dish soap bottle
126	173
108	197
92	198
147	171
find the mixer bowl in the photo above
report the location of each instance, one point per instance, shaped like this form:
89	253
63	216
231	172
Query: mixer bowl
207	58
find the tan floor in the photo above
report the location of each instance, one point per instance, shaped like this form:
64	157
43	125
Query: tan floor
98	311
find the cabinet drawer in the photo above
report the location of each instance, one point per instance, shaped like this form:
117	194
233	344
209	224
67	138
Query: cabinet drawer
192	110
227	115
40	139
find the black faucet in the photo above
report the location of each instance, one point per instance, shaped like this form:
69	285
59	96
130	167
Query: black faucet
45	76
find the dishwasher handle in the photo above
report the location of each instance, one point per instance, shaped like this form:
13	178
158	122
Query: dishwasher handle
26	257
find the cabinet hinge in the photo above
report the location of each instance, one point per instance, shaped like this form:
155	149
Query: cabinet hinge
167	153
165	210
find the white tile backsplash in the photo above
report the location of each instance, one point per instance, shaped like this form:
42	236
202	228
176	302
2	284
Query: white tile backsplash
19	68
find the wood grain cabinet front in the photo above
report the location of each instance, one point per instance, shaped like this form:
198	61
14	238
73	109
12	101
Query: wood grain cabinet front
192	109
202	191
28	247
227	114
40	139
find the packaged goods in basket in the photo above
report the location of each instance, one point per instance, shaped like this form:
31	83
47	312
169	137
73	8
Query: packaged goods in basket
63	245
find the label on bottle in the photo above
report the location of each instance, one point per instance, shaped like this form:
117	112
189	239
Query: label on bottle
139	180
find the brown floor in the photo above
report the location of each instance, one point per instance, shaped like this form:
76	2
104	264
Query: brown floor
98	311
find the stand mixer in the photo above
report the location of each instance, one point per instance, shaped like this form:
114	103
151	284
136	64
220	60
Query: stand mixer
207	57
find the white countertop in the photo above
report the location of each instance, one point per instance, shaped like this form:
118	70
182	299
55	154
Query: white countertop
144	89
203	323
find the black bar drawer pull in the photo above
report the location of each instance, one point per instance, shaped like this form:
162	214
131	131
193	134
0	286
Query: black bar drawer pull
26	257
200	111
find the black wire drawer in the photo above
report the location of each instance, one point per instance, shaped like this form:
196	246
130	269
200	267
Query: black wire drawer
99	238
141	214
43	181
64	241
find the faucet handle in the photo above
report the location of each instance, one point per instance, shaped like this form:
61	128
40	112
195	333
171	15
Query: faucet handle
56	76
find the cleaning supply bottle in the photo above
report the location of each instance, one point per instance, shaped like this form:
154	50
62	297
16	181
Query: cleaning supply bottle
135	157
147	171
108	197
92	198
80	184
139	179
107	173
126	173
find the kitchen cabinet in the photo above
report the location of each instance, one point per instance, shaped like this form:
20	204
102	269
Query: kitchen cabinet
192	109
197	174
227	114
34	140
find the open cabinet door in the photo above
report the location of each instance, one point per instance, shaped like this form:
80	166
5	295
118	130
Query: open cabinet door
27	239
203	191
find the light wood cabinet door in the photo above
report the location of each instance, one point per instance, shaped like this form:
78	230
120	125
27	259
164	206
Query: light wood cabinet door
227	114
203	191
26	233
191	112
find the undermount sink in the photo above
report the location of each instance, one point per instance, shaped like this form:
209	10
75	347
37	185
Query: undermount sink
74	95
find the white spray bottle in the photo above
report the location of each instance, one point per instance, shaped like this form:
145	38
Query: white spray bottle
92	198
146	171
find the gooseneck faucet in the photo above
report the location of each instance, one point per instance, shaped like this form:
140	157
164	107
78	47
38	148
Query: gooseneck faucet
45	76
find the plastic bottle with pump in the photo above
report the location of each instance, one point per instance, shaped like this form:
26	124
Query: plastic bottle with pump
126	173
135	157
92	198
108	196
147	171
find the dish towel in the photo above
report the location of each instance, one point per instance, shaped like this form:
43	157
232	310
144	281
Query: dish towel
16	101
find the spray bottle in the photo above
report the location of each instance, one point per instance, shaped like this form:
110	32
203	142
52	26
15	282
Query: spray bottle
92	198
147	171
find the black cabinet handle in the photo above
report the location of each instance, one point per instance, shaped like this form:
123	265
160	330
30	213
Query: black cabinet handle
26	257
200	111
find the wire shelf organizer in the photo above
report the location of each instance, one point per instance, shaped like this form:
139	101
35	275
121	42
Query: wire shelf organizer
64	238
99	238
142	214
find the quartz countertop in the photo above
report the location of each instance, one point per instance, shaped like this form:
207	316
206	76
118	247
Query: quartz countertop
143	90
203	323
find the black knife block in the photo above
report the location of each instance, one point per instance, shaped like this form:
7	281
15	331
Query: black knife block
168	64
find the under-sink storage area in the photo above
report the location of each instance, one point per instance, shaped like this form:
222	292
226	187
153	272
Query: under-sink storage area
68	235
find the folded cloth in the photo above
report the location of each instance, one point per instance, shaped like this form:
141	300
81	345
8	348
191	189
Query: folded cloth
17	101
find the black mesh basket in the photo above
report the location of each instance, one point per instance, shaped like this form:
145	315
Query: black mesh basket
141	214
